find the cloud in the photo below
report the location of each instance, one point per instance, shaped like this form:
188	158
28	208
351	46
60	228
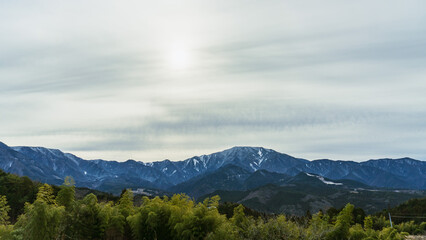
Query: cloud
329	80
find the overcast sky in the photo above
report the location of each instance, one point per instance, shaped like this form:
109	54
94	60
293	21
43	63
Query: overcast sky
150	80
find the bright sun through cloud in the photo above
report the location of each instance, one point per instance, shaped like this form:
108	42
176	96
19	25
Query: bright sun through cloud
179	58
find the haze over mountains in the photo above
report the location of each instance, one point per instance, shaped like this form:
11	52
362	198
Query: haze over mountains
237	168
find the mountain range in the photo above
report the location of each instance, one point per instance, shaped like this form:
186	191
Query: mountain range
234	169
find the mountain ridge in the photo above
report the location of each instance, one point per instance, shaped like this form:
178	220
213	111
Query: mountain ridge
53	165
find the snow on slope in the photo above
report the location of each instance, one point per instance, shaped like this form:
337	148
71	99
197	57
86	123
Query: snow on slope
323	180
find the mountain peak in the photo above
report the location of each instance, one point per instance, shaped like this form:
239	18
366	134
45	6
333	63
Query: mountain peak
249	149
2	145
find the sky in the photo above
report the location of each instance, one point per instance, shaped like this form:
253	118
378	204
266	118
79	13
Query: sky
154	80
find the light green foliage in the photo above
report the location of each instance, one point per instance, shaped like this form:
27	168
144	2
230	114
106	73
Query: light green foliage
113	222
125	203
422	227
391	234
243	224
356	232
178	218
280	228
318	227
152	220
41	221
45	194
66	196
368	223
4	210
411	227
6	232
226	231
343	223
247	227
200	220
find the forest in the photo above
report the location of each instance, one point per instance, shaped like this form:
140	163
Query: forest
57	213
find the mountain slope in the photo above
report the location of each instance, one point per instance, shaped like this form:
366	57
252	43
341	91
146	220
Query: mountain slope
52	166
311	192
229	177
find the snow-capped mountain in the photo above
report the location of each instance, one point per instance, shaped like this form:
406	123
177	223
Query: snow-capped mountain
52	166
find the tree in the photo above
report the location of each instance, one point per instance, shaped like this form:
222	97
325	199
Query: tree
4	210
244	225
45	194
202	220
368	223
42	221
66	196
152	221
86	218
125	208
343	223
281	229
113	222
125	204
318	227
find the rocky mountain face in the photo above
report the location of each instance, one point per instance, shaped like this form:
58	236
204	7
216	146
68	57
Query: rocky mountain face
238	168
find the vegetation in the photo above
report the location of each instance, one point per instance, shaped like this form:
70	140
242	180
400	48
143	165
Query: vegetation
61	216
51	212
20	190
411	210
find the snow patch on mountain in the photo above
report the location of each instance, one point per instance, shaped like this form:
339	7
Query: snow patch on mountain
251	165
323	180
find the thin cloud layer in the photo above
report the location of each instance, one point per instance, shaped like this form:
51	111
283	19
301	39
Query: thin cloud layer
150	81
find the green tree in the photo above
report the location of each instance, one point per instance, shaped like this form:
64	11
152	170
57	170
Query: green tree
86	218
152	220
318	227
113	222
343	223
66	196
368	223
202	220
357	232
6	232
245	226
4	210
42	221
391	234
281	229
18	191
125	204
45	194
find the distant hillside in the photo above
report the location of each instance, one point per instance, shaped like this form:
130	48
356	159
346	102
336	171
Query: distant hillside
52	166
311	192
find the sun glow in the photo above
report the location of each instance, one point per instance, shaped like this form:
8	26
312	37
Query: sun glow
179	58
